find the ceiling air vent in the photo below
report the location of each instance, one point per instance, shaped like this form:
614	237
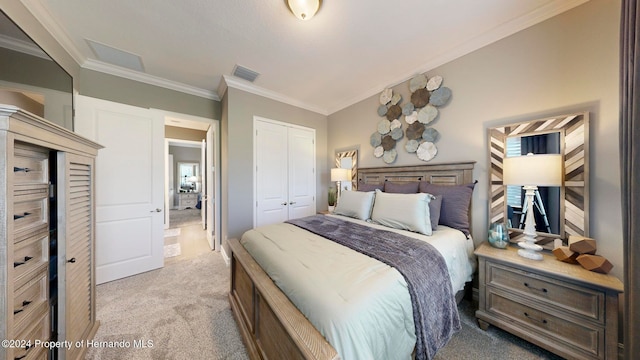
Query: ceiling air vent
113	56
244	73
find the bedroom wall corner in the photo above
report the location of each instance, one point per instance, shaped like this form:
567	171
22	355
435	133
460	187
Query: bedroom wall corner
566	63
237	153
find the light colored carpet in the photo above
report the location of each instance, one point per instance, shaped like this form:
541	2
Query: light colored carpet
184	310
184	217
172	250
172	232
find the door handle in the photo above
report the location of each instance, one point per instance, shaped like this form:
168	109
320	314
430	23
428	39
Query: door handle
284	203
156	210
291	203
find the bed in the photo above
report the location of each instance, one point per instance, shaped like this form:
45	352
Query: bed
280	297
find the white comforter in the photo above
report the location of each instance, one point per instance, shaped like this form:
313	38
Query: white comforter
359	304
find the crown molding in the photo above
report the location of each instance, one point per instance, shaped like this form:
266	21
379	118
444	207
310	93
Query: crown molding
22	47
230	81
102	67
46	19
41	13
507	29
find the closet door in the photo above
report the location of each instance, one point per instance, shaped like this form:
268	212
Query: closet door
76	277
271	173
285	172
301	173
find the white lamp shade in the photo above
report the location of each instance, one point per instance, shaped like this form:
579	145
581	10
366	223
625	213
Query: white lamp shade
339	174
538	170
304	9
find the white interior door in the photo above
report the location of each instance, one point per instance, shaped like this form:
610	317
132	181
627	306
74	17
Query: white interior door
271	173
129	186
204	195
209	170
302	177
285	176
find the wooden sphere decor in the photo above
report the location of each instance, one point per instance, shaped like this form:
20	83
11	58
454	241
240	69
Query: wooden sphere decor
582	245
564	254
595	263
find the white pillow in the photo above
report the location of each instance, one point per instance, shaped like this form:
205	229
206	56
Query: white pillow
355	204
403	211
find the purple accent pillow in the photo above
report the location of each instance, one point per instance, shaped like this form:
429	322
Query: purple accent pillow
434	211
401	188
370	187
454	211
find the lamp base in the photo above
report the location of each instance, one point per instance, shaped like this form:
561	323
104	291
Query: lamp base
530	250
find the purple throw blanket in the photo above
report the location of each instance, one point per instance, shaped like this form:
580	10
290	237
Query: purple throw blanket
435	311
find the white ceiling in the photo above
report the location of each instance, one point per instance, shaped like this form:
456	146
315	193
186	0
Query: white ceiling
350	50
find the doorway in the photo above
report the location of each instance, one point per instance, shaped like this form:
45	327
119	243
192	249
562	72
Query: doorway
191	185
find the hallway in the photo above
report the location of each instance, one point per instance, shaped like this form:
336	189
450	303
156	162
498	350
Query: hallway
185	239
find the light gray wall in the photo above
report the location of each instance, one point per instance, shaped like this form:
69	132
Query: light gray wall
237	154
113	88
565	64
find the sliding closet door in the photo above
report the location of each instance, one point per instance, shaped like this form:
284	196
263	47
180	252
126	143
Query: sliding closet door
285	172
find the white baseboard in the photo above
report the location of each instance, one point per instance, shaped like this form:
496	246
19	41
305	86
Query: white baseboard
226	258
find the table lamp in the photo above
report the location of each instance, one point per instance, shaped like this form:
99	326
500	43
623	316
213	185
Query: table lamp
531	171
339	175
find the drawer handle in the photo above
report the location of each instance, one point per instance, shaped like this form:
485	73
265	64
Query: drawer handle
26	258
16	217
26	348
543	321
544	290
72	260
19	169
24	305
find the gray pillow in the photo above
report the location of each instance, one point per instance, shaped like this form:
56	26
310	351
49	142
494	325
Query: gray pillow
434	210
401	188
370	187
454	211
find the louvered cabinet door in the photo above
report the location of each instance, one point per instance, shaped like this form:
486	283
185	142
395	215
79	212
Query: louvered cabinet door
77	314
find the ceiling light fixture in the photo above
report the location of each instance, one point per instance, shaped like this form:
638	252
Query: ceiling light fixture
304	9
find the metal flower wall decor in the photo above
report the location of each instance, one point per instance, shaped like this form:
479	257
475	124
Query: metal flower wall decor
426	96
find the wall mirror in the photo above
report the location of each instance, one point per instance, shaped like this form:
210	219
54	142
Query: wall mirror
30	79
559	211
348	159
188	177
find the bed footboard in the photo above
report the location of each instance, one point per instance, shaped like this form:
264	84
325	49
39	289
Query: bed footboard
270	325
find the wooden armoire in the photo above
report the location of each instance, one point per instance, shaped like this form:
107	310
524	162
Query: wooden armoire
47	238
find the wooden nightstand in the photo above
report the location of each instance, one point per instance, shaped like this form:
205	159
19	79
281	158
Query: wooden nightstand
558	306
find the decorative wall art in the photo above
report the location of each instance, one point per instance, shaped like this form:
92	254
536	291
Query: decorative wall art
389	130
427	94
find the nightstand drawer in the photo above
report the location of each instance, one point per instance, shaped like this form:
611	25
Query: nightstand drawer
578	300
579	337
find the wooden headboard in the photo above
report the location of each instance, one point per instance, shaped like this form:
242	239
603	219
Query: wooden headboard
441	174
